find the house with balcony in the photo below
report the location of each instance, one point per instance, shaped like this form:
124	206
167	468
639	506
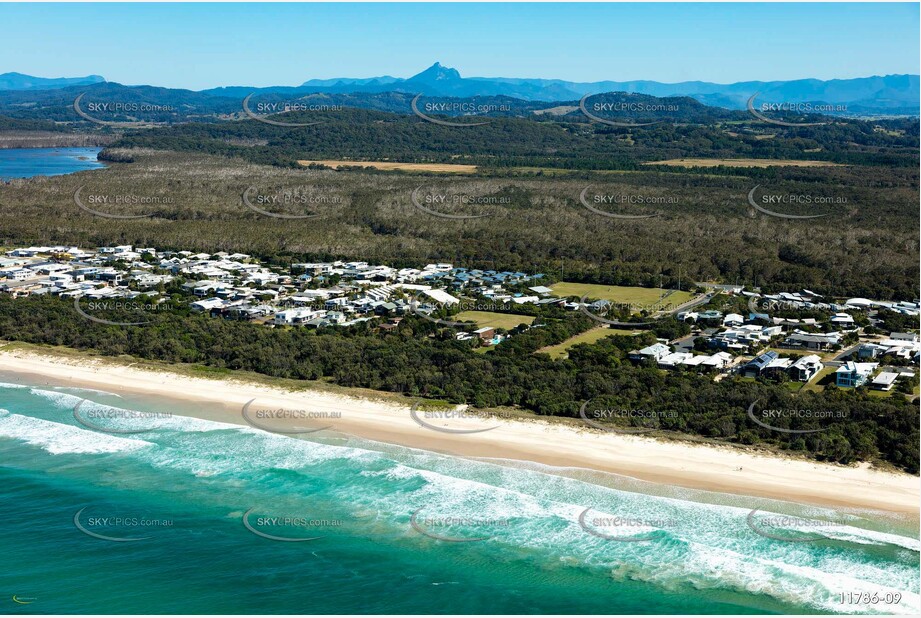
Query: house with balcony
805	368
852	375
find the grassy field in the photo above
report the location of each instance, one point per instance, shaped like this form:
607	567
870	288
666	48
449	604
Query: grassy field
743	163
561	350
507	321
821	379
389	166
622	294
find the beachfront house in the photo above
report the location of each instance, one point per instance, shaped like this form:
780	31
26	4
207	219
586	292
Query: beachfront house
656	352
812	341
754	367
884	381
805	368
852	375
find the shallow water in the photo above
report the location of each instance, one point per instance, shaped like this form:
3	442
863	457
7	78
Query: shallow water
183	487
29	162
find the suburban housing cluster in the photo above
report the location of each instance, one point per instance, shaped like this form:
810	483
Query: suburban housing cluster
760	344
764	345
237	286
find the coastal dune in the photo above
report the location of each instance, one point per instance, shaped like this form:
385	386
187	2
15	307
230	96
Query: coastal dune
706	467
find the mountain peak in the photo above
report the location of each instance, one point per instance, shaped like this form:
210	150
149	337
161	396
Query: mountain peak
21	81
436	73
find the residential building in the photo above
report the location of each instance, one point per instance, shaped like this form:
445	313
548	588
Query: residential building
884	381
805	368
852	375
656	352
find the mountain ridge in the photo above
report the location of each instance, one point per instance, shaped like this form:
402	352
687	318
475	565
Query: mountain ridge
895	93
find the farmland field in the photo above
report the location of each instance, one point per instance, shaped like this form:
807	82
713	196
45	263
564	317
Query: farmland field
561	350
507	321
743	163
622	294
389	166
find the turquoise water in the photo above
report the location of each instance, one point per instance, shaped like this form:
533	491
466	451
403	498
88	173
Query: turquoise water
189	483
29	162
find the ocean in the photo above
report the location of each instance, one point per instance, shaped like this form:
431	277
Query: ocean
197	516
29	162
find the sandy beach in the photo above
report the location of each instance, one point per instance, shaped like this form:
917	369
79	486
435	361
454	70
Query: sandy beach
712	468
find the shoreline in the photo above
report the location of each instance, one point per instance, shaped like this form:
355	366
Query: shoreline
720	469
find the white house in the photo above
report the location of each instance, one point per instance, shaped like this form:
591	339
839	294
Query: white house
805	368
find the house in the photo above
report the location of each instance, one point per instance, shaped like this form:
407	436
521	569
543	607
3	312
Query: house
208	304
844	319
741	337
812	341
110	276
852	375
674	359
884	381
777	367
441	296
486	333
716	362
296	316
656	351
805	368
754	367
733	319
869	350
17	274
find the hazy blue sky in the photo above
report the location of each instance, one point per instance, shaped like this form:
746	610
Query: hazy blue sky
205	45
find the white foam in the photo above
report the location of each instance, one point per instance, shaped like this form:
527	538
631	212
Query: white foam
57	438
709	546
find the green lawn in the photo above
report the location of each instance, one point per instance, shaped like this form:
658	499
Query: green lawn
622	294
507	321
560	350
826	375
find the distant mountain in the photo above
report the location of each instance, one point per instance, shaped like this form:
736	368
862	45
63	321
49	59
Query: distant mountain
19	81
890	93
25	96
